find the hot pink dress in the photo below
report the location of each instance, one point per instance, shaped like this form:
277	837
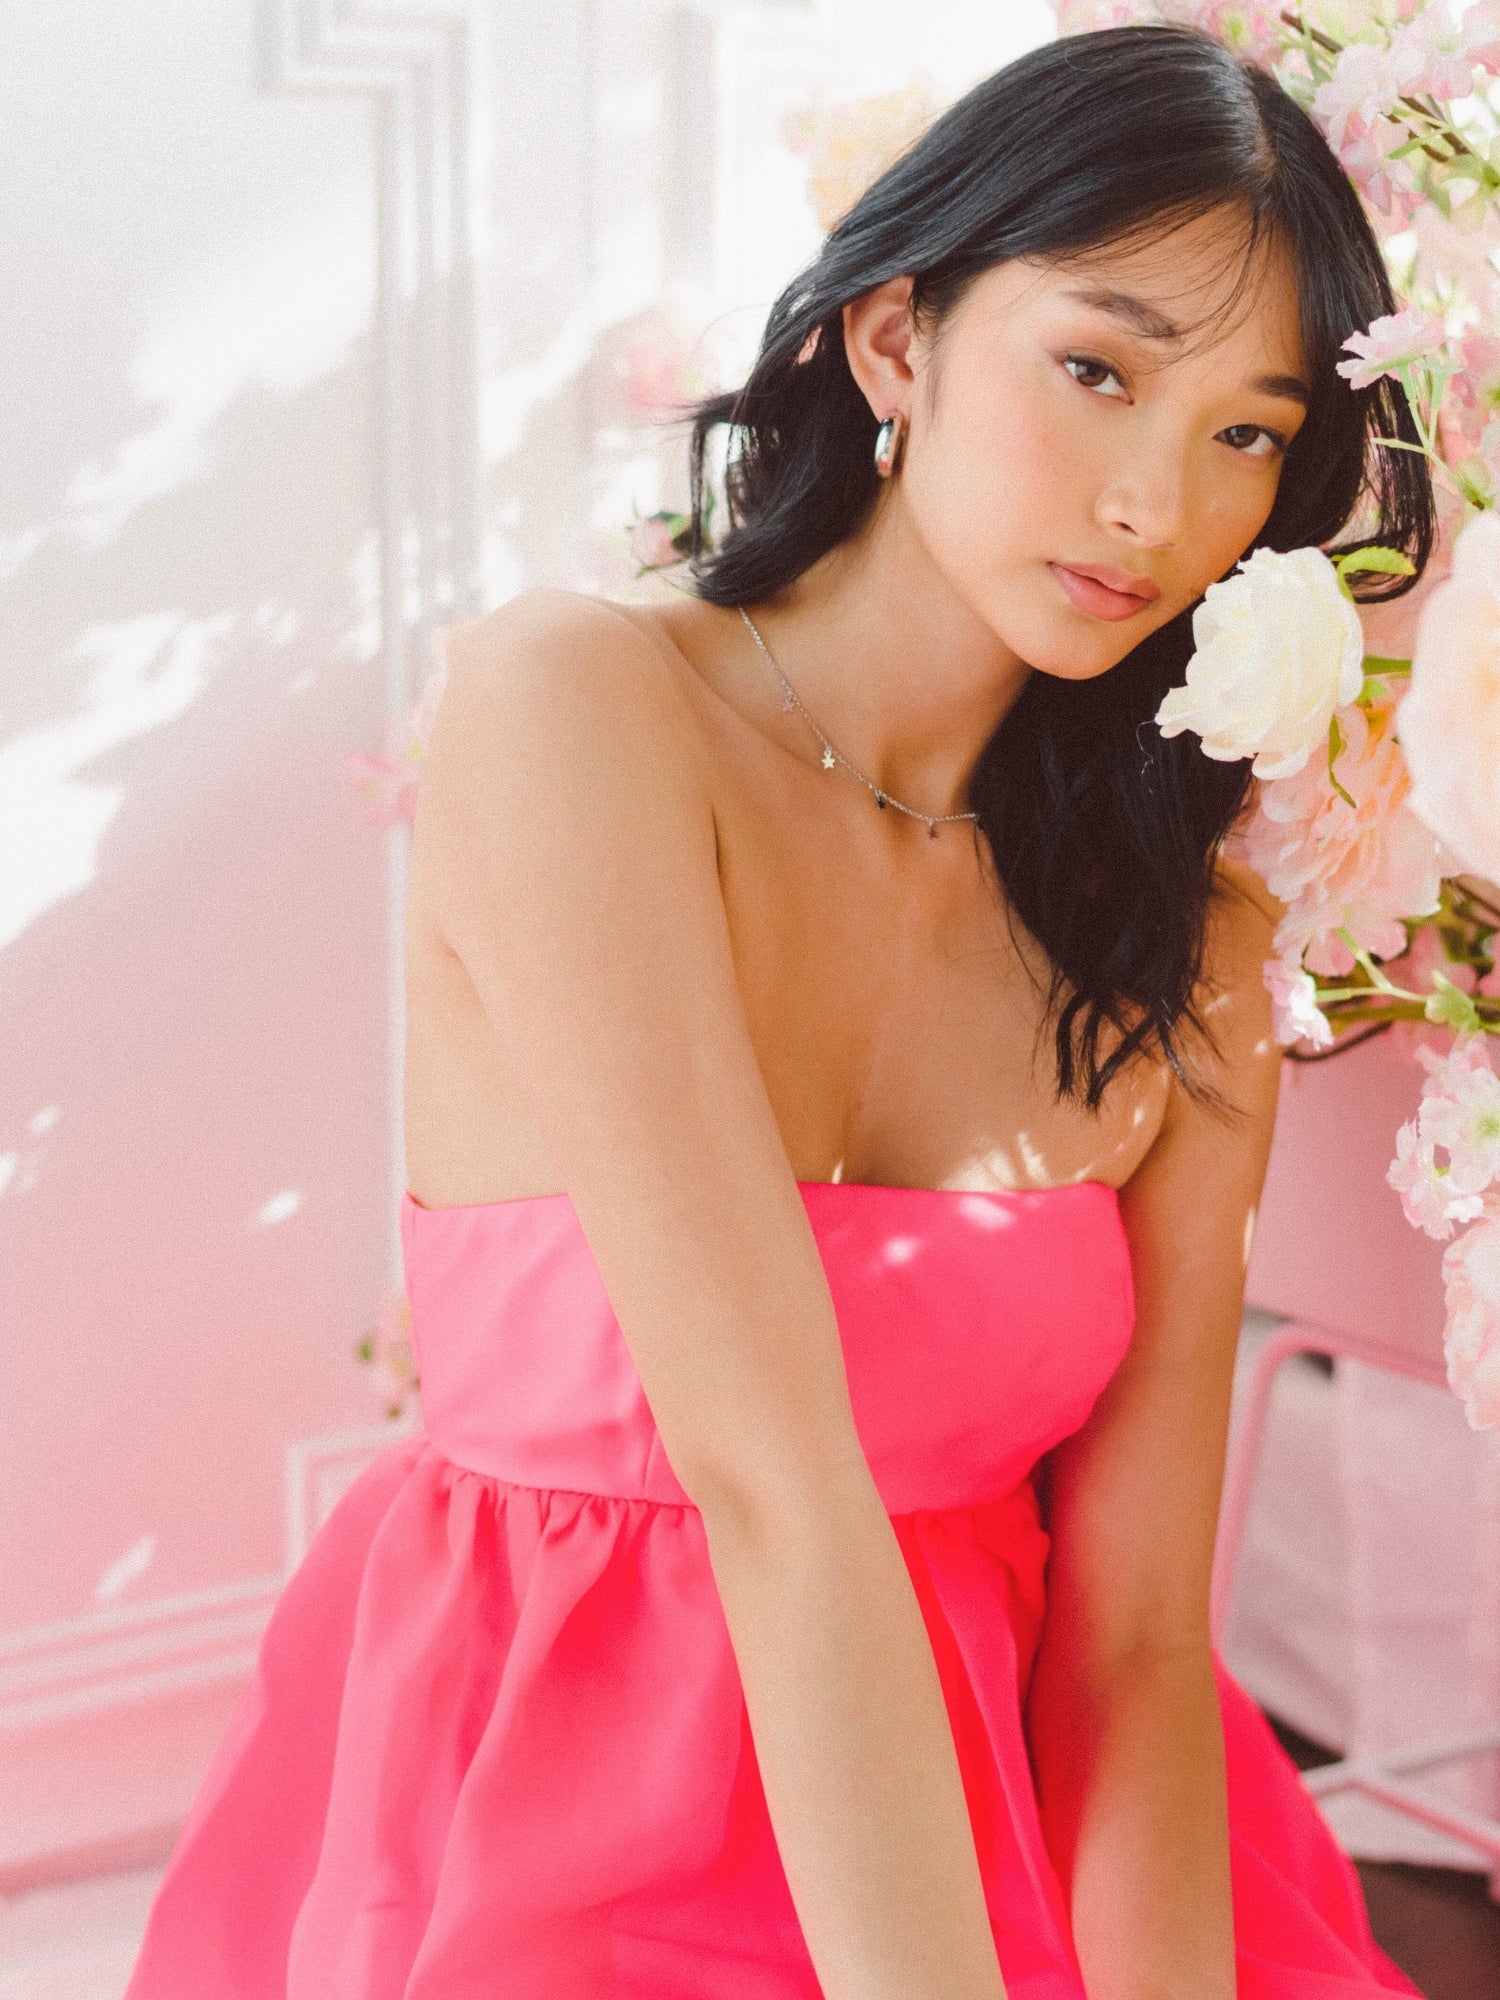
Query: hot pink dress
495	1746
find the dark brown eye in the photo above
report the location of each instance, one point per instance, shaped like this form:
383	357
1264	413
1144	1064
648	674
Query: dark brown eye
1254	440
1090	372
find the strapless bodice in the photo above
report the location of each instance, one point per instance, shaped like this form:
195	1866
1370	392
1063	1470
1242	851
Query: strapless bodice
977	1330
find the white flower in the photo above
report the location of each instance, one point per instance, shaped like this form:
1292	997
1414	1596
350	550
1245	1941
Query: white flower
1294	1005
1449	721
1471	1339
1279	647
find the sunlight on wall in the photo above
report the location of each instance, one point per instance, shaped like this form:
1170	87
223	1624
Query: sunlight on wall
142	672
280	311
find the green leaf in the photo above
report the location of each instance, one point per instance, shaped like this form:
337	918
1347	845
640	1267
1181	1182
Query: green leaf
1450	1007
1377	559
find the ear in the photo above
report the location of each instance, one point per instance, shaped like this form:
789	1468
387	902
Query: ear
880	341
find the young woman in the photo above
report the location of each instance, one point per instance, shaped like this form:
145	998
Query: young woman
840	1081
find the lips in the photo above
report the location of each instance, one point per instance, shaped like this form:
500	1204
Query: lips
1104	590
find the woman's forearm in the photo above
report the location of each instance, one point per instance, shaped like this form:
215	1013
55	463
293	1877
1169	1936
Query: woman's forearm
855	1748
1134	1811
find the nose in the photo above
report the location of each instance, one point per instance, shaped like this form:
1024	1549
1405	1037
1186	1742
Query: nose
1146	499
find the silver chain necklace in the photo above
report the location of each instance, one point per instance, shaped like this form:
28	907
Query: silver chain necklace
791	699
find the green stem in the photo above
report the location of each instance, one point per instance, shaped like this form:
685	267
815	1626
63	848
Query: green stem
1391	1011
1425	451
1373	972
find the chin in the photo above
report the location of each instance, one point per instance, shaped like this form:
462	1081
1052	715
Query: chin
1066	658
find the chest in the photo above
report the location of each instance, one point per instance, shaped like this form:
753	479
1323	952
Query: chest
898	1006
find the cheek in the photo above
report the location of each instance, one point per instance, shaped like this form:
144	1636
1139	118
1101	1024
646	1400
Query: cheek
1005	479
1230	514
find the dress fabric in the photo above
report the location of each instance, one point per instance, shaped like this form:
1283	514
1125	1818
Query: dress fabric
495	1745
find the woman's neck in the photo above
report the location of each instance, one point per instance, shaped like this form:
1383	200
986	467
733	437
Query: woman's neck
903	676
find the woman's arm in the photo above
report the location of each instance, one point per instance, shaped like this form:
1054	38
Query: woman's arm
1123	1706
567	836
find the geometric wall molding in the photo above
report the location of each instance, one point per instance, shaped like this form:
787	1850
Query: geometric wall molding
423	72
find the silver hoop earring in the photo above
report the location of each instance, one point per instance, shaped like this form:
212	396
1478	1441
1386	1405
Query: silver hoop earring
888	442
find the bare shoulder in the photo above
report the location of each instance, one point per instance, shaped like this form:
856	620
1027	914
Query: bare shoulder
566	644
555	704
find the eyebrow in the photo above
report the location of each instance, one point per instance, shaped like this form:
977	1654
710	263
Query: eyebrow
1128	309
1145	320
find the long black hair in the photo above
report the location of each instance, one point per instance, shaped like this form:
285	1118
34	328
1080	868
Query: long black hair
1103	833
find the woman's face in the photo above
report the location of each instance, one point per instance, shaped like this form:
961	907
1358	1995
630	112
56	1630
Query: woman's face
1066	425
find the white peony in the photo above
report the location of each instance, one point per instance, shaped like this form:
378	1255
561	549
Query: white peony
1279	648
1449	722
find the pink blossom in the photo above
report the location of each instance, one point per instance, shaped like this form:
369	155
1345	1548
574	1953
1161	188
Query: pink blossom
1431	57
1394	338
1359	105
1481	33
1294	1005
389	781
662	366
1481	469
1362	867
1458	255
1365	155
1077	17
1474	392
1453	52
1460	1112
651	541
1362	89
1449	719
1471	1339
389	785
1427	1196
1251	27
